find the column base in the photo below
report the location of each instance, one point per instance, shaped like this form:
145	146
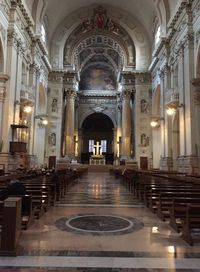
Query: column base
166	164
11	162
188	164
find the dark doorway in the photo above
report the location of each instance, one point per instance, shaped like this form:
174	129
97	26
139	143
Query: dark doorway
144	163
97	127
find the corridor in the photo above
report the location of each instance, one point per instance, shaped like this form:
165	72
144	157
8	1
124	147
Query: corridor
100	226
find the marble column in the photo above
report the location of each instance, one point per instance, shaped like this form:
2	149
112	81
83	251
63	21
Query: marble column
3	79
126	124
69	123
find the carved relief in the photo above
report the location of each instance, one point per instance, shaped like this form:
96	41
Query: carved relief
144	140
54	104
52	139
144	106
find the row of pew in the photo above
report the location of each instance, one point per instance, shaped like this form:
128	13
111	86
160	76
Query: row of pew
42	192
174	197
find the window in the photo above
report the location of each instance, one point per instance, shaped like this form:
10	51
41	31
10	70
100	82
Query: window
157	36
91	145
103	145
43	33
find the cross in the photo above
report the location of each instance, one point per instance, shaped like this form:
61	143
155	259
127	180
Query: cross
98	149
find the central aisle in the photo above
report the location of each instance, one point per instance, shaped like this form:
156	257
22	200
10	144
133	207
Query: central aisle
98	189
100	226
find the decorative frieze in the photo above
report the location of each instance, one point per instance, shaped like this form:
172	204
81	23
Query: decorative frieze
56	77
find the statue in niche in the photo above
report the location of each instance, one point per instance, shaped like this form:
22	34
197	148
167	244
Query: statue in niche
144	106
54	105
144	140
52	139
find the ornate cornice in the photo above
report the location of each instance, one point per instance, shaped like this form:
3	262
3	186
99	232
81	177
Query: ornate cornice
56	76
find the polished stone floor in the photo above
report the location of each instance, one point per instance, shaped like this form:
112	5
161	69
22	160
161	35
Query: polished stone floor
154	246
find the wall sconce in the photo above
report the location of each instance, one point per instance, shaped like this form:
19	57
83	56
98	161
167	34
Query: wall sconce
42	120
172	108
27	108
155	122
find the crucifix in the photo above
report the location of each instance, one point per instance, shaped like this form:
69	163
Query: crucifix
98	149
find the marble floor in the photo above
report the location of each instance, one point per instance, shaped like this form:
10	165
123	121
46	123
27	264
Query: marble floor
100	226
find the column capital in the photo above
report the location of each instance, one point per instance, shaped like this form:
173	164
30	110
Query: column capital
3	78
196	82
126	94
70	94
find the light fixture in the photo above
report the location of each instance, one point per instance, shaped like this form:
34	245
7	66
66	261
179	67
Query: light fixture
173	107
154	123
44	122
27	108
171	110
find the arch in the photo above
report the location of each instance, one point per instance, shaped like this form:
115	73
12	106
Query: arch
97	127
1	56
89	112
133	28
100	116
112	38
38	11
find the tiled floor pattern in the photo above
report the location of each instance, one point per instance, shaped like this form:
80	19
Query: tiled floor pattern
155	247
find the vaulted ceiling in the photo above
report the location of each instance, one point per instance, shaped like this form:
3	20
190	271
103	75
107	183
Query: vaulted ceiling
144	11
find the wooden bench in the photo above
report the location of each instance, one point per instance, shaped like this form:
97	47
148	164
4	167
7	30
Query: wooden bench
190	222
178	208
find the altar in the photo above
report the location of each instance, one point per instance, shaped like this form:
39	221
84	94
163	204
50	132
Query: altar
97	158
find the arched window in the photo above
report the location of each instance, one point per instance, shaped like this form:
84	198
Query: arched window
43	34
157	36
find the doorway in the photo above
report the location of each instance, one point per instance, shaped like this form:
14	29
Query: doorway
97	127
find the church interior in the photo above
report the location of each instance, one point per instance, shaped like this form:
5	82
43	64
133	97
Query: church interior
100	135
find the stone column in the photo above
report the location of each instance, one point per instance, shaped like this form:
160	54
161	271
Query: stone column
79	143
126	124
3	79
69	123
142	110
115	147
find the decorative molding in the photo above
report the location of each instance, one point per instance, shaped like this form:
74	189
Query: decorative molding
56	76
98	108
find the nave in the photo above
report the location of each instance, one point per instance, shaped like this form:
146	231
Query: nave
100	226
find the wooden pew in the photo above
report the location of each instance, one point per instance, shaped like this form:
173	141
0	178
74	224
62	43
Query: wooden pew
178	209
190	222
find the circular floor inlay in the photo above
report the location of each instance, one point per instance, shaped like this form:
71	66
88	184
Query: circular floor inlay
99	224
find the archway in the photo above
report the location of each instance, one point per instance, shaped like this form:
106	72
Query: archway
97	127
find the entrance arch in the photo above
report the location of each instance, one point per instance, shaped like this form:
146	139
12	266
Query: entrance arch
97	127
